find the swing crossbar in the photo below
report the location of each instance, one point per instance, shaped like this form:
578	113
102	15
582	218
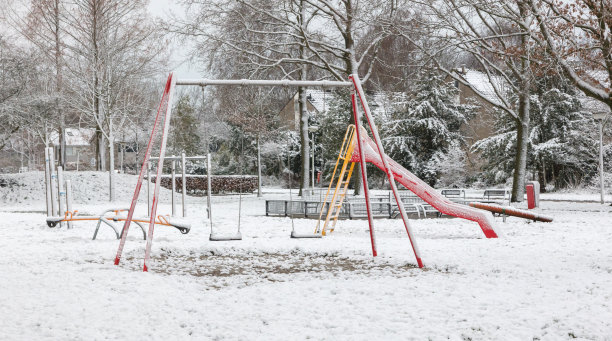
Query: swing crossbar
263	82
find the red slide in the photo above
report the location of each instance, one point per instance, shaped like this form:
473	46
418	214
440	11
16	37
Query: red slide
424	191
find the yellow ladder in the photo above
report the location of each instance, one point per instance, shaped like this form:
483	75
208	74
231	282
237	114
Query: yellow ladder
341	183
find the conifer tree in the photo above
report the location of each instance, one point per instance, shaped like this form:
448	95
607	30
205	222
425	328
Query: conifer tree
422	130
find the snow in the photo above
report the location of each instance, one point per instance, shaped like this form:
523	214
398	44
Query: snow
484	85
545	281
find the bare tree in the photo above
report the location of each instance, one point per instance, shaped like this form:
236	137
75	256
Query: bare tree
577	35
294	36
44	27
253	111
112	50
16	71
496	35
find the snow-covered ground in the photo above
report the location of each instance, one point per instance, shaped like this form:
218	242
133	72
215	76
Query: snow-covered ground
541	281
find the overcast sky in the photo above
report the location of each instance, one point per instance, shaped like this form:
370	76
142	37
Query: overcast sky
179	64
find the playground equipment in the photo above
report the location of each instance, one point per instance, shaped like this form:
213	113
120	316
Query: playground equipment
217	237
173	159
58	193
59	204
375	153
108	220
511	211
349	155
293	233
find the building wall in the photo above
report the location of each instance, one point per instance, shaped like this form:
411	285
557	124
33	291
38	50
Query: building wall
290	114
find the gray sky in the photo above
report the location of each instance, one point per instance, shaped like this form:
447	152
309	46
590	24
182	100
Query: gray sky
179	63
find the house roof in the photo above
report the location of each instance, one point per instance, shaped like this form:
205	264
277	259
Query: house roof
592	105
484	85
380	102
74	136
319	99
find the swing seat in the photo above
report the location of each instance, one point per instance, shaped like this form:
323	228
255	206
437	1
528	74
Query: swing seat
301	235
216	237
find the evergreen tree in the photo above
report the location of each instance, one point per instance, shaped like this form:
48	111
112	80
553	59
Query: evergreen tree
184	131
422	129
563	140
562	143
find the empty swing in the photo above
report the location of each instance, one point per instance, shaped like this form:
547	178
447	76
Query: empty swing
216	237
290	208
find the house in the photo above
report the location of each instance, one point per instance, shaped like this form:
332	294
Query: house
482	125
317	101
79	147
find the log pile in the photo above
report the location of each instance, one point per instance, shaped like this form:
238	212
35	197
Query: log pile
197	184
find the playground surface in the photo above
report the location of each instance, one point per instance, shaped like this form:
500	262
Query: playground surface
545	281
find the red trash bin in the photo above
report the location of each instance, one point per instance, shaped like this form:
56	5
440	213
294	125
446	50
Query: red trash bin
533	194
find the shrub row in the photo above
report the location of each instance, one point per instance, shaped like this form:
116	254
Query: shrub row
197	184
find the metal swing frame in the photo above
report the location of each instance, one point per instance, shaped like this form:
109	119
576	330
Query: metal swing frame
166	106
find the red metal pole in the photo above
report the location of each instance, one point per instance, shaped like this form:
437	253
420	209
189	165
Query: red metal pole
128	221
364	172
160	166
383	156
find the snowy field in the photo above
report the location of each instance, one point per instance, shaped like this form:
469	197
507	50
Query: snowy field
541	281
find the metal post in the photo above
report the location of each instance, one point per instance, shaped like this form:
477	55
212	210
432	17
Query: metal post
173	187
122	156
208	189
313	163
601	164
61	191
184	183
69	200
48	182
148	188
53	182
364	172
111	166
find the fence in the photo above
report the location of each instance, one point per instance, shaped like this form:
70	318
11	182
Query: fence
355	208
382	206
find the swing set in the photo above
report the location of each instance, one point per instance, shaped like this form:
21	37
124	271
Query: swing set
357	147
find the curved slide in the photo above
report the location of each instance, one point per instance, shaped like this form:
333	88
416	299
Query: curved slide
423	190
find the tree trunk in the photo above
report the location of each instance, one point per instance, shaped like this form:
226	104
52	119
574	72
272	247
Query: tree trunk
522	139
304	140
58	84
101	153
304	115
111	168
351	68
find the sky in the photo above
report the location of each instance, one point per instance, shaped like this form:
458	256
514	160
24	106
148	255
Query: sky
180	64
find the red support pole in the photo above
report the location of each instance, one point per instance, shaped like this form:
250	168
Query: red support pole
126	226
364	104
160	166
364	172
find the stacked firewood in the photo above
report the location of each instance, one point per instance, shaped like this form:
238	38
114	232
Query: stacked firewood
198	184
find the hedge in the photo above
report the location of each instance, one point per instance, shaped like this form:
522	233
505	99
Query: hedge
197	184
